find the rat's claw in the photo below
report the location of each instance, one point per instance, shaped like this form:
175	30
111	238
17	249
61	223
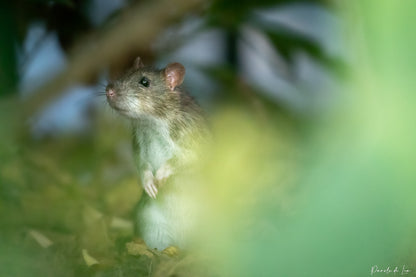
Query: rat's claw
151	189
149	184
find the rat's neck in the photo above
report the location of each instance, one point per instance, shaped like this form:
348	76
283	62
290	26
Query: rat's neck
144	120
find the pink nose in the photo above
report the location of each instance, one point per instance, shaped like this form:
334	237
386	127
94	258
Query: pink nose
110	92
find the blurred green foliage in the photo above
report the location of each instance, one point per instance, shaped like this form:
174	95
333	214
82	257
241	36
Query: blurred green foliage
355	208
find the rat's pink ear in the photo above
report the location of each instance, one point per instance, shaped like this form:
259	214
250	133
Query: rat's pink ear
174	74
138	63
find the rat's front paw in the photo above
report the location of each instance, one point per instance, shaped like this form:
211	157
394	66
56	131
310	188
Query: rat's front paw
163	173
150	189
149	184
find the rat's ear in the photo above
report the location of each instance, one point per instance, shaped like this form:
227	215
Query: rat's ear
174	74
138	63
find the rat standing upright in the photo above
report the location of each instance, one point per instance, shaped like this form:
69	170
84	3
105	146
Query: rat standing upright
168	126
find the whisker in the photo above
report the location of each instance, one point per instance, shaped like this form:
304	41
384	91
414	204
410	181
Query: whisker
102	85
99	93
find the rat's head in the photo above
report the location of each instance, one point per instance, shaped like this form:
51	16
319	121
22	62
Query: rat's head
145	91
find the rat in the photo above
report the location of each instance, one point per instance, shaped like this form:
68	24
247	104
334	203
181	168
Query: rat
167	126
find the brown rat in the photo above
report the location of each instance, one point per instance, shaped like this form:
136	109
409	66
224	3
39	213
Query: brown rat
167	126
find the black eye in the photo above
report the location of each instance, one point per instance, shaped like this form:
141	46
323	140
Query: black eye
144	82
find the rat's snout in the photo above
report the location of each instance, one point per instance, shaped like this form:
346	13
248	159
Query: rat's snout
109	91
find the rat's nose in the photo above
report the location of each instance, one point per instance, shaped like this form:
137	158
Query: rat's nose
109	91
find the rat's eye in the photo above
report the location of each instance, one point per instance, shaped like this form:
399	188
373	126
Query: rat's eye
144	82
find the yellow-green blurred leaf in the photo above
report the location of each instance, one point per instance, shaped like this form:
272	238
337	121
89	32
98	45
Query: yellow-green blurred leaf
138	249
89	260
40	238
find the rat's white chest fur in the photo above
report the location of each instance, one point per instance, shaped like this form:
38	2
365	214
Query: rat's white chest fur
165	220
155	144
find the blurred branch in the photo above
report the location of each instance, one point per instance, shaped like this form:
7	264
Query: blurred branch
134	31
